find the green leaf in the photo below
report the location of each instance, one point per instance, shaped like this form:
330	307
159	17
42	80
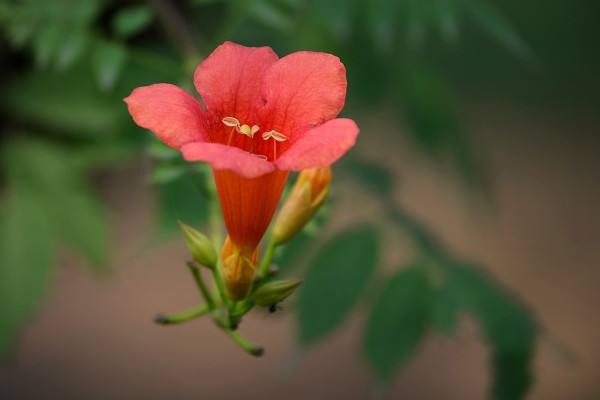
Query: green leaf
57	181
334	282
85	227
448	21
271	16
336	18
68	103
72	46
446	307
381	15
508	326
489	18
436	128
164	172
27	243
45	44
398	321
372	176
161	151
108	61
132	20
182	199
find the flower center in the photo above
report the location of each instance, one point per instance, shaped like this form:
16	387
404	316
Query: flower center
235	125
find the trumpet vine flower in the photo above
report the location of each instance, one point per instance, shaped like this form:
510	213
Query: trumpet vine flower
259	118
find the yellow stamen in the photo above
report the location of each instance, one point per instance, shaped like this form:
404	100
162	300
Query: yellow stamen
277	137
230	121
234	124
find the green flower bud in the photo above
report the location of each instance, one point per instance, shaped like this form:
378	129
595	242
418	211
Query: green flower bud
275	292
199	246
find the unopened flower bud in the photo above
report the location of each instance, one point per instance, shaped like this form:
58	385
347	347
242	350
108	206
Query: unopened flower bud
239	268
307	195
199	246
275	292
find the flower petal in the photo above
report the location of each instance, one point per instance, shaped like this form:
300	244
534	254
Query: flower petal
320	146
248	204
223	157
303	90
229	79
168	111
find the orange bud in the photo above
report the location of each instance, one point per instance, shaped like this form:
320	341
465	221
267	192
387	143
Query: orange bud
239	268
307	195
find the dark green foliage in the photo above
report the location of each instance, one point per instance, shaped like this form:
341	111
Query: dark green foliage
27	241
129	21
508	327
32	229
175	200
335	280
399	321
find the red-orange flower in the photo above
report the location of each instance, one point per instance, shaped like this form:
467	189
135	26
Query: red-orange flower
262	117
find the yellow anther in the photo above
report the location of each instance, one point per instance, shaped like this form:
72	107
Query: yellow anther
246	130
277	136
260	156
232	122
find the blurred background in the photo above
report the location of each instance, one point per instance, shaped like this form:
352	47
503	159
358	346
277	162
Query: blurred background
473	192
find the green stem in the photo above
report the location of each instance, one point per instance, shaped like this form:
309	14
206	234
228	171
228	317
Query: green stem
200	282
244	343
183	316
267	258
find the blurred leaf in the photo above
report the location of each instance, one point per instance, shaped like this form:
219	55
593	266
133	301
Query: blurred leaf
71	48
132	20
424	240
164	173
271	16
374	177
435	126
398	321
382	21
27	243
85	227
419	13
56	29
448	21
45	44
182	199
108	61
47	172
334	282
335	16
447	307
509	329
161	151
69	104
489	18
